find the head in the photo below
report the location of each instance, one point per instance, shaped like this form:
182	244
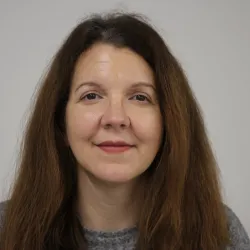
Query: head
113	120
115	104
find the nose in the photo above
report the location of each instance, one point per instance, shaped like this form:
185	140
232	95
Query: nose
115	116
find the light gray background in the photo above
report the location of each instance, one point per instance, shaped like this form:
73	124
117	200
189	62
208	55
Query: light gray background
210	38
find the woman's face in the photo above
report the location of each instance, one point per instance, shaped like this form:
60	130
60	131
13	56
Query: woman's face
113	120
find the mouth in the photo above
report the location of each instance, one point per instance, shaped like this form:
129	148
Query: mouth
114	146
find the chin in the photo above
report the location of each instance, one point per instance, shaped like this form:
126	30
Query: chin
116	177
114	173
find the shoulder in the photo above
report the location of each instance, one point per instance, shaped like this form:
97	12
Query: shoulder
2	212
238	235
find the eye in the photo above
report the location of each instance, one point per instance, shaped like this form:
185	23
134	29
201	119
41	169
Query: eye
91	96
140	98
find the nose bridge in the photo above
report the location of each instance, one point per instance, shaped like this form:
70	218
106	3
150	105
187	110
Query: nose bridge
115	112
115	107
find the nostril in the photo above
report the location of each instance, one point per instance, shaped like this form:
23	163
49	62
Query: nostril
108	126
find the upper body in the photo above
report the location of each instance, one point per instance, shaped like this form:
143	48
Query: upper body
115	145
126	238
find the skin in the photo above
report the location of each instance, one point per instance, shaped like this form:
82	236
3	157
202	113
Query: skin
112	98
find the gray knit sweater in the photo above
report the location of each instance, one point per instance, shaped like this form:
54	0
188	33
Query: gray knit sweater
125	239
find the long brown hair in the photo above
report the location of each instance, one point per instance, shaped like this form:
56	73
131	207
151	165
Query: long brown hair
181	207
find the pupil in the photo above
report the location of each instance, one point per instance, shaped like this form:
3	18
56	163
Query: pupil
91	96
140	97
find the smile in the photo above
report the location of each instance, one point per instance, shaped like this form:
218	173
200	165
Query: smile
114	147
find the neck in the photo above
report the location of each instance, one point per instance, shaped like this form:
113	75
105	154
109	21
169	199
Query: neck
104	206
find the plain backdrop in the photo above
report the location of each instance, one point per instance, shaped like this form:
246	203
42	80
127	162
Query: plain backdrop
210	38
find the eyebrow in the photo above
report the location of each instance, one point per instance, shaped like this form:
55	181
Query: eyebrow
90	84
134	85
143	84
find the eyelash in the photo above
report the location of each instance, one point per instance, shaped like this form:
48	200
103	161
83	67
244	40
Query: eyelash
91	93
84	97
141	95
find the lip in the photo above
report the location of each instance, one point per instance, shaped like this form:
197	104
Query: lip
114	146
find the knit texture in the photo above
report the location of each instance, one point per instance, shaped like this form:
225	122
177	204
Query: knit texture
126	238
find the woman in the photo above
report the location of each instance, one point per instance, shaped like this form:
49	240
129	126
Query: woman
116	155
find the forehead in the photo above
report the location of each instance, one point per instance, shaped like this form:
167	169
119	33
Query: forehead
103	61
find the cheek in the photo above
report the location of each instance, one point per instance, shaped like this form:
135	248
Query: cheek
148	126
80	123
